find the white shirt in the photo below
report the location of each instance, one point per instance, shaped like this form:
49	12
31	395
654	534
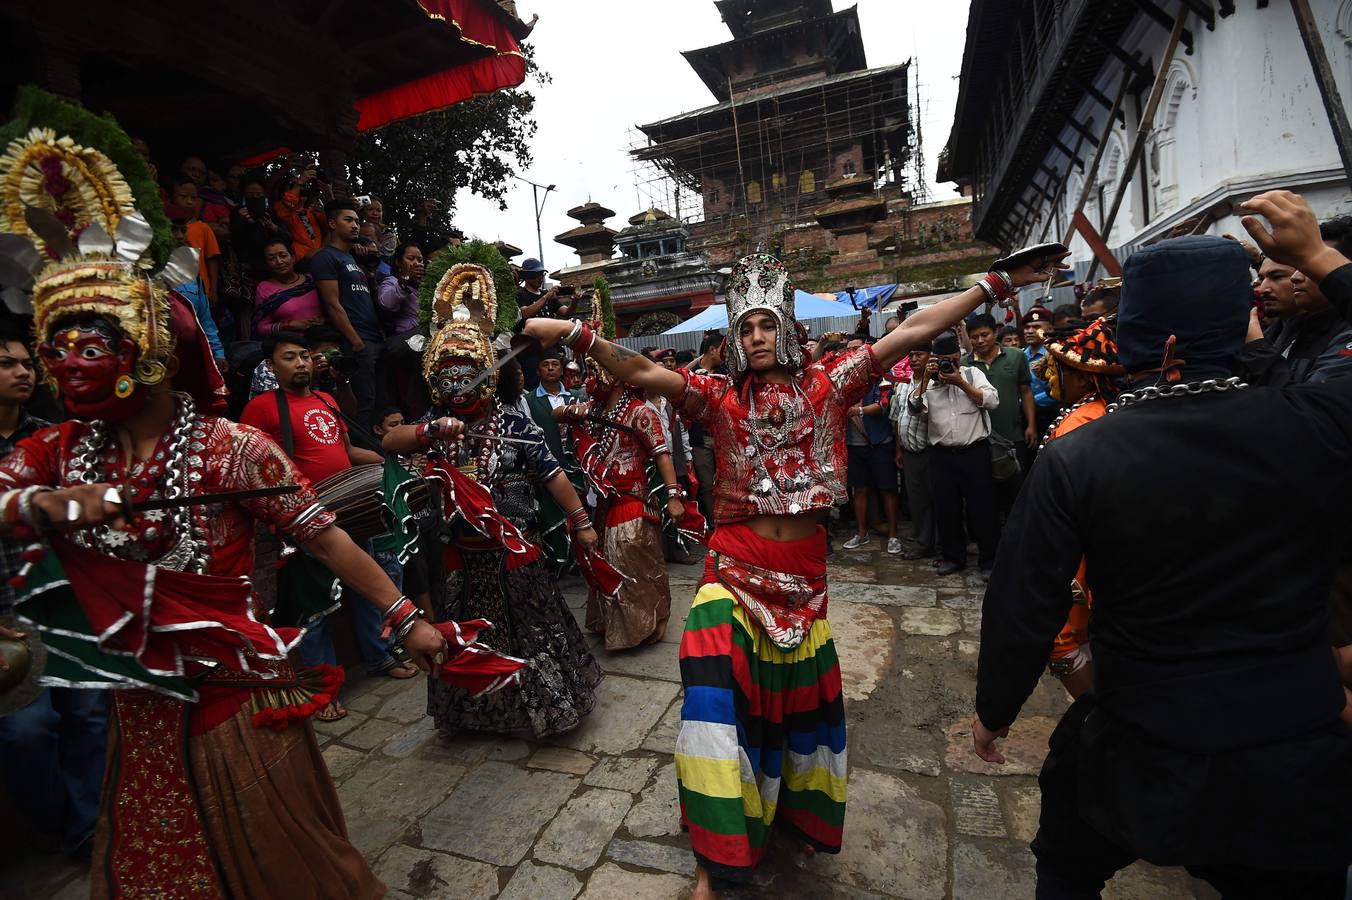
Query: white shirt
955	419
555	400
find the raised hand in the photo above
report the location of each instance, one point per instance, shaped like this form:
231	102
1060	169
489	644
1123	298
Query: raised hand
1294	236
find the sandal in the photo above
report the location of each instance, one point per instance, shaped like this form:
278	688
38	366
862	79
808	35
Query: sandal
332	713
400	671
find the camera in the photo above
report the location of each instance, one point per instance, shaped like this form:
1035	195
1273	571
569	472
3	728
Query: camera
947	366
567	290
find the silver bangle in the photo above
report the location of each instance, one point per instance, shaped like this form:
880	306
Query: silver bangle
989	291
33	517
571	338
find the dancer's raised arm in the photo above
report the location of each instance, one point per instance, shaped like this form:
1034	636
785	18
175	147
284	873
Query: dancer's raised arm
626	365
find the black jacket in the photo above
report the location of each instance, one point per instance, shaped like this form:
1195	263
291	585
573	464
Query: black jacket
1307	349
1210	525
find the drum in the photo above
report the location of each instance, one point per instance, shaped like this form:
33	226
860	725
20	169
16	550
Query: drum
354	497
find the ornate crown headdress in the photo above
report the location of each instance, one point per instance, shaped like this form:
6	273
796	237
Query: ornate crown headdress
760	283
464	309
85	228
1092	349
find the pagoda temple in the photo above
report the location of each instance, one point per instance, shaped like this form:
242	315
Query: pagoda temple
806	153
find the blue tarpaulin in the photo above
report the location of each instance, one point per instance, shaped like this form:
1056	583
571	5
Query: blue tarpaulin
873	298
805	306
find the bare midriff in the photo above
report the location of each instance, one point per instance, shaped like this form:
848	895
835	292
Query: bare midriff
785	528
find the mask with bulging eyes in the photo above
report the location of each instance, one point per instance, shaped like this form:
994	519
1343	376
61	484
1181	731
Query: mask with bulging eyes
91	363
453	377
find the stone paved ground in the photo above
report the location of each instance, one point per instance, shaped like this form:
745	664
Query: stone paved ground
592	814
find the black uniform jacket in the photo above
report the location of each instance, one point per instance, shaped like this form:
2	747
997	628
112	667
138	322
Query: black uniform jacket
1210	525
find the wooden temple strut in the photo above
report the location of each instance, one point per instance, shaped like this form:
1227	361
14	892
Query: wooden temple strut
1328	86
1142	130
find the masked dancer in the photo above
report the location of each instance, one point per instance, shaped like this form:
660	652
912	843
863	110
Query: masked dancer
763	726
1082	373
490	459
625	456
215	783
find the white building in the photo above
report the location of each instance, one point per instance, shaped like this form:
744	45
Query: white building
1241	113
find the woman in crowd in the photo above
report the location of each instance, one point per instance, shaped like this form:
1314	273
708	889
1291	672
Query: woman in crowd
286	300
398	293
490	459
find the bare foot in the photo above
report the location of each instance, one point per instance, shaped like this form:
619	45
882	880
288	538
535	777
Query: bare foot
703	889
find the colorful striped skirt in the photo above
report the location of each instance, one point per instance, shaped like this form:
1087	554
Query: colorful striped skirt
762	737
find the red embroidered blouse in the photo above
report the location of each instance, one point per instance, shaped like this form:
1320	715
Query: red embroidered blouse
779	449
224	455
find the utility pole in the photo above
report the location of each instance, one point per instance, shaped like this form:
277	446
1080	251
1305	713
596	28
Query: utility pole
539	209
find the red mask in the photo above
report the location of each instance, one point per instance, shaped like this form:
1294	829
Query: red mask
92	366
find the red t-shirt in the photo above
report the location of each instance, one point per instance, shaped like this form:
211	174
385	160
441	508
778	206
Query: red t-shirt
318	435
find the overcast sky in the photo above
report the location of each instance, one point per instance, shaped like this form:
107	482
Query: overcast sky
617	63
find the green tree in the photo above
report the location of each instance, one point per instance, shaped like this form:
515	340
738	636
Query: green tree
475	145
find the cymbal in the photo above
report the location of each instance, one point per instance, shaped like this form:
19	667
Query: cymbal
26	659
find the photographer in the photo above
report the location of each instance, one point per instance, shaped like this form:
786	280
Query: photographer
298	192
427	236
533	300
253	228
957	401
398	294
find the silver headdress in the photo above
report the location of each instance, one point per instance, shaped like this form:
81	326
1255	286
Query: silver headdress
760	284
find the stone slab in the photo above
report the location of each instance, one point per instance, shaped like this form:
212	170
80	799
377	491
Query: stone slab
1024	749
976	808
610	882
657	660
407	706
626	710
622	773
903	748
905	595
385	796
427	873
532	881
896	844
1023	807
931	622
370	734
561	759
658	811
647	855
411	739
1142	881
864	636
992	871
342	761
969	649
494	814
470	750
971	621
579	834
662	739
960	598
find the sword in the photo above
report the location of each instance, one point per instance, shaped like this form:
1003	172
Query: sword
483	376
498	437
204	499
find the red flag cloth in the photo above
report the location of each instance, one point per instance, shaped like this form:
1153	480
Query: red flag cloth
163	618
465	497
473	666
599	574
501	66
692	523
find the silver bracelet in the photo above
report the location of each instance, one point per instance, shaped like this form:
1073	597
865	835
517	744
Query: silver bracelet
989	291
32	516
572	336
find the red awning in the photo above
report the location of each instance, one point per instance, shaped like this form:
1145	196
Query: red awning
501	66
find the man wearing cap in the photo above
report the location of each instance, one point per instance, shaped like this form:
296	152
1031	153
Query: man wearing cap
1036	323
550	395
1212	738
533	300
